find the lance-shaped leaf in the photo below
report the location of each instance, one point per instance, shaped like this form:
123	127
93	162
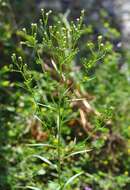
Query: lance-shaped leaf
70	180
41	145
33	188
78	152
45	160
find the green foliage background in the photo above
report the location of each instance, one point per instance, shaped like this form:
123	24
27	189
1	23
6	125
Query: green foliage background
107	166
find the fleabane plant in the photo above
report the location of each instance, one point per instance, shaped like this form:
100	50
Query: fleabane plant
54	49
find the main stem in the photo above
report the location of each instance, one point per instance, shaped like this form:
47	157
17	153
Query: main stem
59	142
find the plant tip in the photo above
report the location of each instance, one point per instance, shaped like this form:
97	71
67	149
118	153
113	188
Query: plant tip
20	58
99	37
24	29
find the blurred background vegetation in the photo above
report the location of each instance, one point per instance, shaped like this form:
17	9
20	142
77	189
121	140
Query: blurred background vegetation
107	86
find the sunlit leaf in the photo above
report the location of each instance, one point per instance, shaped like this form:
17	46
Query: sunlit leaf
33	188
70	180
78	152
45	160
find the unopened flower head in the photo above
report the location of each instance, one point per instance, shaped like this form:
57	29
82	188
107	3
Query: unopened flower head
83	11
20	58
100	37
102	44
49	12
34	24
24	29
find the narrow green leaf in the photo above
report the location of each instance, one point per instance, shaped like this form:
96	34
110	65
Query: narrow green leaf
78	152
41	144
36	117
71	180
33	188
46	106
45	160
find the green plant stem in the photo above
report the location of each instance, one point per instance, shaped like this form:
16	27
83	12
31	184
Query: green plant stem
59	142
